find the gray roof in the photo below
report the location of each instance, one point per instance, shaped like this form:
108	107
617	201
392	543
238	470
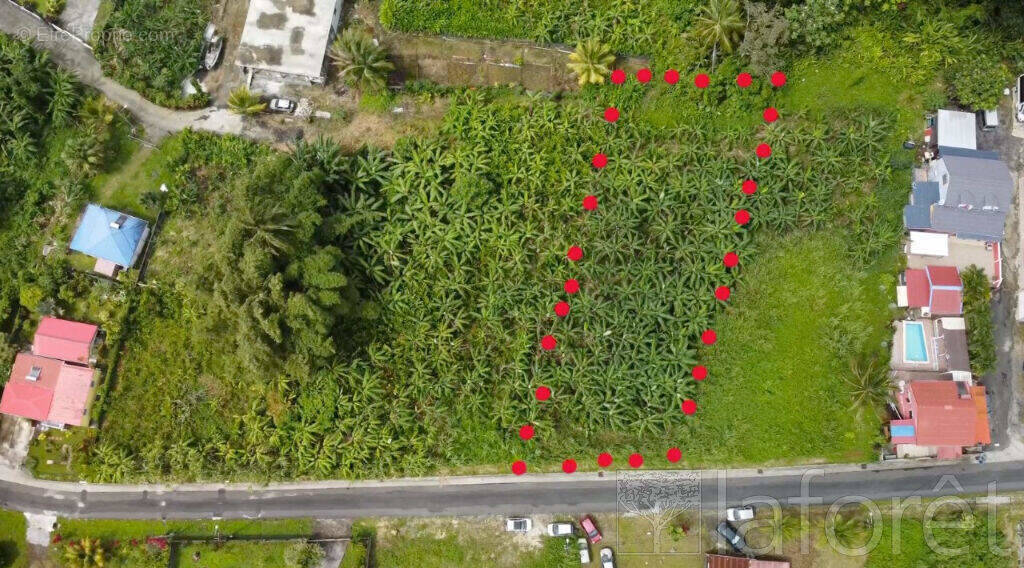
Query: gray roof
917	217
925	193
955	341
974	224
977	178
287	36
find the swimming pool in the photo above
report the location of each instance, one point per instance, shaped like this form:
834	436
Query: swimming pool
914	348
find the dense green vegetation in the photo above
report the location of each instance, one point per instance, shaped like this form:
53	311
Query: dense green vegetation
973	540
981	341
153	45
13	553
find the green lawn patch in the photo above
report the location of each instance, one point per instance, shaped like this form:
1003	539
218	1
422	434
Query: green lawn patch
68	450
13	548
234	554
776	389
127	529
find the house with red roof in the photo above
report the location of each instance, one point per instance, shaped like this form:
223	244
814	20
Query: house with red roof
939	418
722	561
47	390
69	341
934	290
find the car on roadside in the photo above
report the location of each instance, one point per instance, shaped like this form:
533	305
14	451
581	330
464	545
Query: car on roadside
282	105
584	550
607	558
518	524
737	514
560	529
735	539
590	529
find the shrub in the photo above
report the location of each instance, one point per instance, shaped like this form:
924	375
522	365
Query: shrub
590	62
977	82
767	33
361	63
245	102
981	344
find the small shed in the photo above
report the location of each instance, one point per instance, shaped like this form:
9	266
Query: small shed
957	129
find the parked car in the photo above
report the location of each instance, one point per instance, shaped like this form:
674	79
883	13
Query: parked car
518	524
607	558
590	529
736	514
734	538
1018	98
584	550
560	529
989	119
282	105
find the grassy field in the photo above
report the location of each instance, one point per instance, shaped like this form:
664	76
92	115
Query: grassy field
232	554
13	549
127	529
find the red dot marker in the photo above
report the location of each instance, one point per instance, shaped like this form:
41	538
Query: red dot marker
709	337
689	407
643	75
673	455
636	460
749	187
742	217
604	459
611	114
770	114
702	81
722	293
542	393
548	342
599	160
590	202
526	432
618	76
730	259
744	80
671	76
700	372
519	467
575	253
562	309
763	150
778	79
571	286
569	466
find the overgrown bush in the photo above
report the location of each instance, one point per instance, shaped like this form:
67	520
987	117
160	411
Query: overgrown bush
981	344
978	82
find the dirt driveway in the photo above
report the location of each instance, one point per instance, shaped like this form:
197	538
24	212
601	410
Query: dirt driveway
15	436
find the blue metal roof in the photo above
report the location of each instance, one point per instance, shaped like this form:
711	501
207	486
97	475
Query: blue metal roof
925	193
96	237
917	217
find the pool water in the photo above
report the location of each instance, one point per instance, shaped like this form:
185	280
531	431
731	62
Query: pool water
914	347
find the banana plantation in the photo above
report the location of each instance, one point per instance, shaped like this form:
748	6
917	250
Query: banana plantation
387	307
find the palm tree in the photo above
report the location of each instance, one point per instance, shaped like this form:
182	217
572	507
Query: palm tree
591	61
361	62
245	102
85	553
870	385
719	25
267	224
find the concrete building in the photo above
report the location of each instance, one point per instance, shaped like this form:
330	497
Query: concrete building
286	41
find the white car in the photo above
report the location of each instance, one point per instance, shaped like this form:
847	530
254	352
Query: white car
584	550
736	514
518	524
282	105
1018	98
607	558
560	529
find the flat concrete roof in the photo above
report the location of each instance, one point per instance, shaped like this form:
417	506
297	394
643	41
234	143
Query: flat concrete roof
287	36
957	129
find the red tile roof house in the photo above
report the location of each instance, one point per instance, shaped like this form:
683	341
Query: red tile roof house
69	341
939	419
47	390
934	290
720	561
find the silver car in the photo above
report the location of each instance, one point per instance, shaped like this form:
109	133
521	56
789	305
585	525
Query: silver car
607	558
584	550
560	529
518	524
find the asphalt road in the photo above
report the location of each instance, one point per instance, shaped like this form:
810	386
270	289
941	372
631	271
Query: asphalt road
507	495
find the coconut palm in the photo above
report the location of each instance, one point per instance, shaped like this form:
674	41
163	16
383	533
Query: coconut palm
84	553
245	102
870	385
719	25
591	61
361	62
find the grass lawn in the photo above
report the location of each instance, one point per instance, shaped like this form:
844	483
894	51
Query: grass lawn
13	549
126	529
58	446
232	554
641	542
134	175
461	543
776	389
